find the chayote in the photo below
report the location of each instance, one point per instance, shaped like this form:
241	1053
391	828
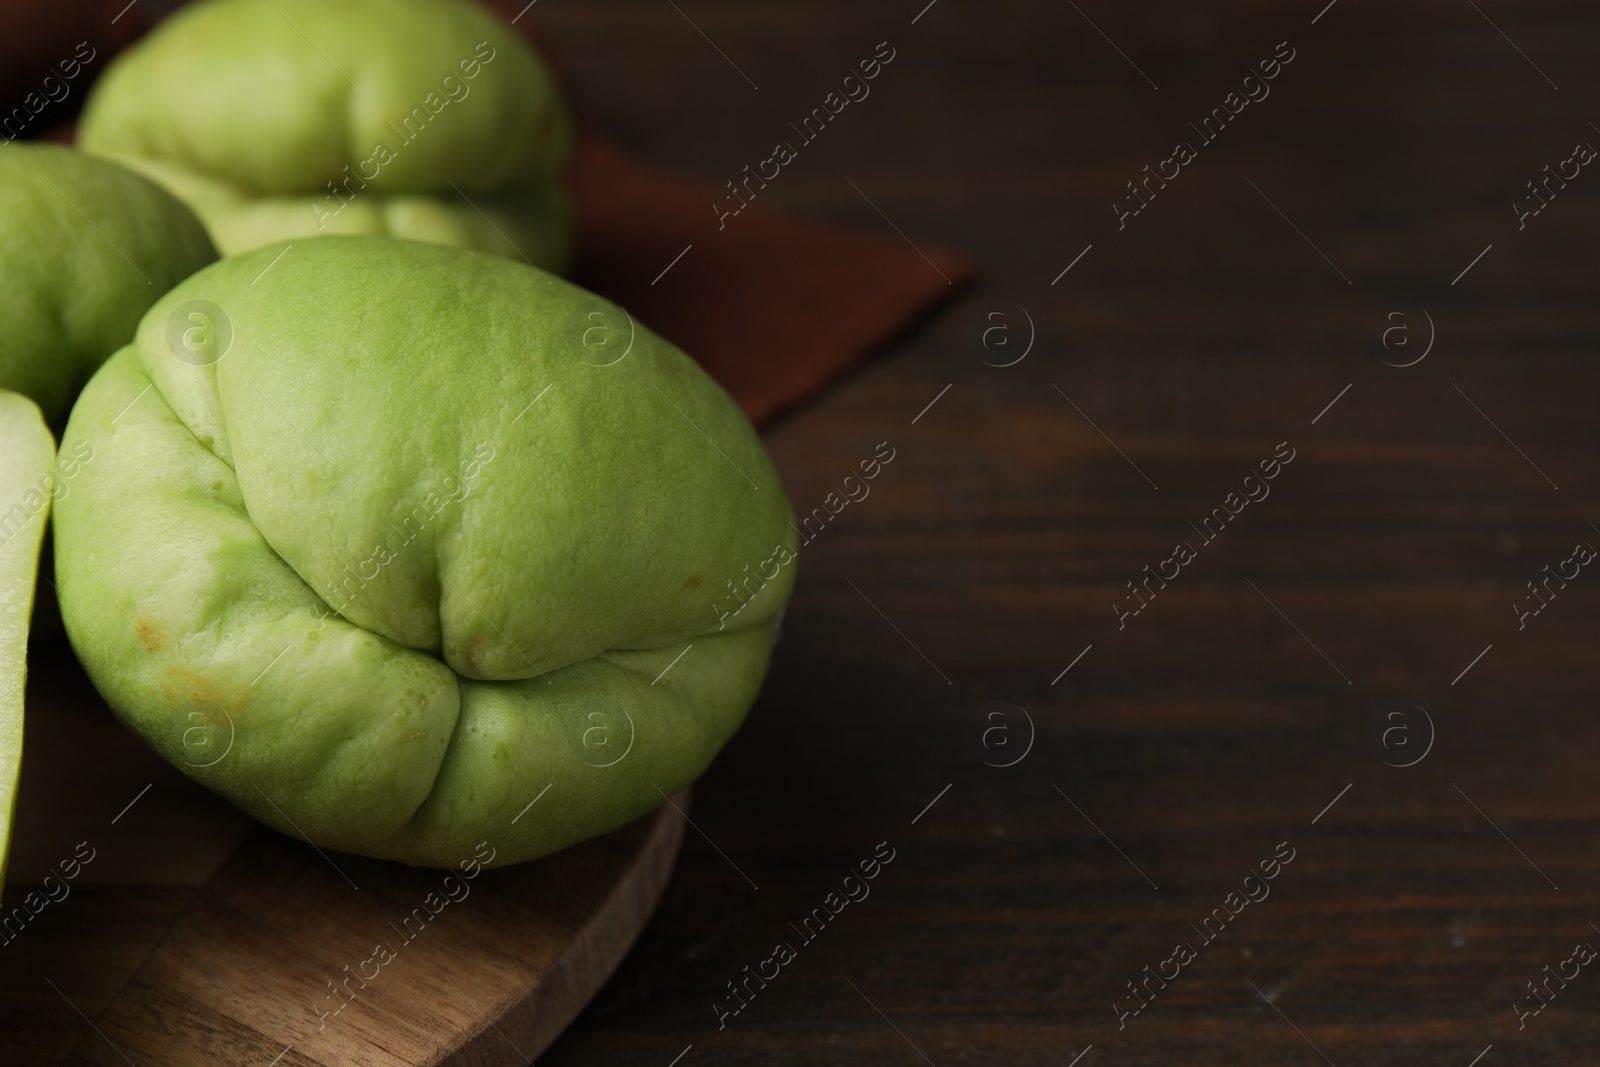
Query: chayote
27	455
85	248
284	119
416	539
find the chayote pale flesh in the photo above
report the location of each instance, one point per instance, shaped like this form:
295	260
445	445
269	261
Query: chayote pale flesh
27	457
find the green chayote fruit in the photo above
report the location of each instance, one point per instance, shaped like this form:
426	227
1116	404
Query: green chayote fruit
425	538
27	456
283	119
85	248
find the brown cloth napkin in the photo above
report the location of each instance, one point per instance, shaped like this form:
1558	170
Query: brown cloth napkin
772	307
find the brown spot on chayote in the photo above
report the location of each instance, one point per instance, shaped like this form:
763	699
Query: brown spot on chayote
182	686
151	633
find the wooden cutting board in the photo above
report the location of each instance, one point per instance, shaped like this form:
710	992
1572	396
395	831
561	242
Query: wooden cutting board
187	935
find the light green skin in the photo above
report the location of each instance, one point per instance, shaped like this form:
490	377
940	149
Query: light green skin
247	109
27	456
572	550
85	248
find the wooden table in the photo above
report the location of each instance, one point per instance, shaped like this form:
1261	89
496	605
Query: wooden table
1265	695
1068	791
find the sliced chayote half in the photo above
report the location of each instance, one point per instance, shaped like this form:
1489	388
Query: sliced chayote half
27	459
280	119
386	541
85	248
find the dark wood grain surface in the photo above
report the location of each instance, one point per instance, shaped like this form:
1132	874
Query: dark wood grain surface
1271	676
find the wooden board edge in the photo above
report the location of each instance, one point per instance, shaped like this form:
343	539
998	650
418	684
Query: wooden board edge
526	1028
